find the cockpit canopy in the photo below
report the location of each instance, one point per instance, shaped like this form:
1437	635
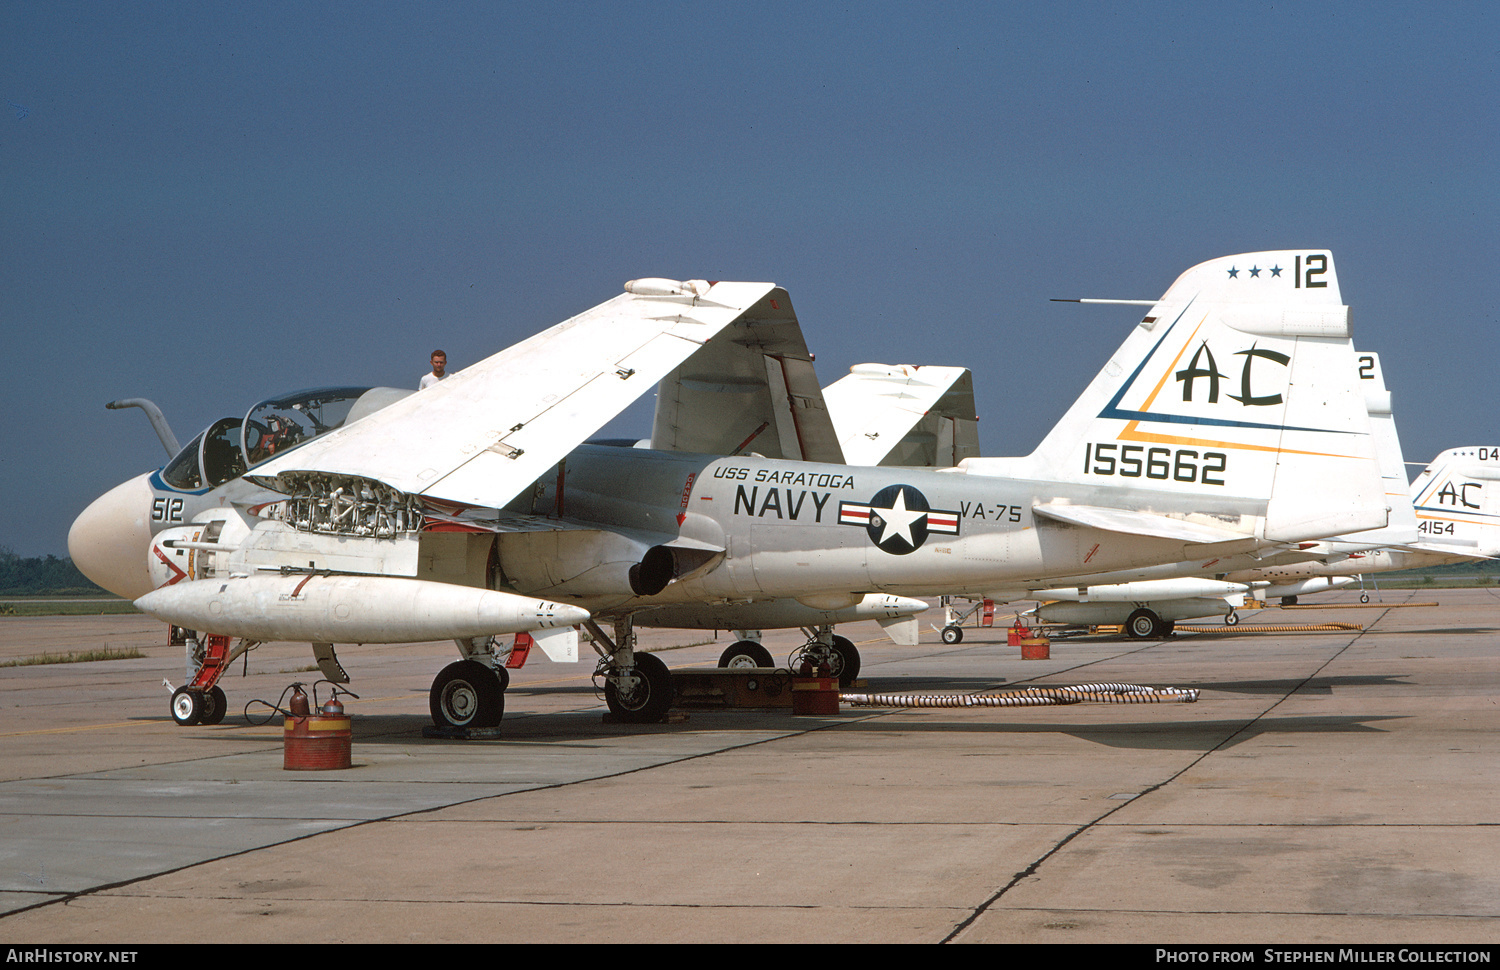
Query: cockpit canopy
231	445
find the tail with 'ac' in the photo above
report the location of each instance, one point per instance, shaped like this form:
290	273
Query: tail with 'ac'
1238	389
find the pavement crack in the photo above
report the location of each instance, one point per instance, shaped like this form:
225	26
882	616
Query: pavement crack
1062	843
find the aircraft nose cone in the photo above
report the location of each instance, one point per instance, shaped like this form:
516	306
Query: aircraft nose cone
110	539
566	615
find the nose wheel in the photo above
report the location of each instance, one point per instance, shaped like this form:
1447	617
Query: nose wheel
191	706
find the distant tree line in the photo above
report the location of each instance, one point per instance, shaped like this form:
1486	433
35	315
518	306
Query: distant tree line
41	576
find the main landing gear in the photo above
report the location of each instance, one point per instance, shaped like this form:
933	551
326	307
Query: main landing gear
637	686
1144	624
468	694
823	647
746	653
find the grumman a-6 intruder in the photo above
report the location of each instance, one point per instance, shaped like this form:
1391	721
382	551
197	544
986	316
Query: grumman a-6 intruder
1229	423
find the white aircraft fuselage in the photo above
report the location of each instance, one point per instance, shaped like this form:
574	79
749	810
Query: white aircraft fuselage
813	531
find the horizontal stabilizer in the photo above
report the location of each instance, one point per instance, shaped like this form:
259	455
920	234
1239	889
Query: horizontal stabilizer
1130	522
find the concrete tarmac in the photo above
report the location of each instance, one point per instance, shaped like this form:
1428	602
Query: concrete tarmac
1326	788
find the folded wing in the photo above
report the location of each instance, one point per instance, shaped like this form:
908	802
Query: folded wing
490	430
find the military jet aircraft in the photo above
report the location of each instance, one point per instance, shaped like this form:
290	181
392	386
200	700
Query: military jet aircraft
1228	424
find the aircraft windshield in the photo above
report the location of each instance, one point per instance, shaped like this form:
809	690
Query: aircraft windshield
276	424
183	471
230	445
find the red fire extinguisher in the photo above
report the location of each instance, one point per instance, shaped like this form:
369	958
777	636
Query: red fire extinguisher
315	742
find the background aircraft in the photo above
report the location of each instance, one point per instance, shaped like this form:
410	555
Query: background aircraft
1227	424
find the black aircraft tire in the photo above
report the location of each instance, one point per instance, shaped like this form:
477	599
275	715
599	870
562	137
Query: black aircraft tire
746	653
1143	625
467	694
647	702
187	706
953	634
845	661
215	704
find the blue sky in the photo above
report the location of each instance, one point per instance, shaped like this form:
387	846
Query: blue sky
209	203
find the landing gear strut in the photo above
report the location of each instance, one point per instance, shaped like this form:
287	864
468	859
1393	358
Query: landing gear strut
201	700
637	686
642	695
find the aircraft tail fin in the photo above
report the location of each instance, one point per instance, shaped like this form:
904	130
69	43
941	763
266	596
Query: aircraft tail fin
1456	500
1402	527
1240	383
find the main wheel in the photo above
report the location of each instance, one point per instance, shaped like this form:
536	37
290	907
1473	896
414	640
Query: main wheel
845	663
214	706
1232	619
467	694
641	696
746	653
187	706
1142	625
953	634
1289	601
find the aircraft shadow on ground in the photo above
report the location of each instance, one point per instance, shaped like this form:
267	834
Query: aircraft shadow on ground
1168	731
1317	685
1168	734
